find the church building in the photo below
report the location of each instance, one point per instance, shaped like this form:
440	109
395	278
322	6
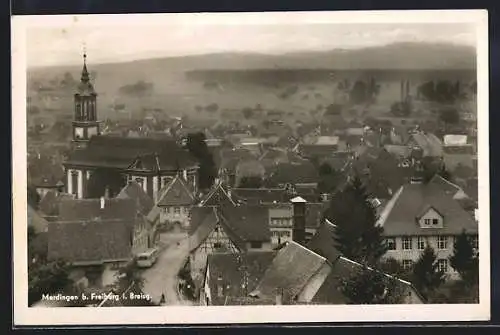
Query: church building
151	162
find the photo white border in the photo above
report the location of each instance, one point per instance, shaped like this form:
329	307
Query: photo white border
25	316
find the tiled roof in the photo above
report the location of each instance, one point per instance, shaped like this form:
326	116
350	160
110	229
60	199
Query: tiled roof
429	143
323	242
232	271
121	152
89	241
49	204
290	271
249	223
260	195
447	186
310	150
459	150
175	193
90	209
399	215
134	191
294	173
38	223
218	195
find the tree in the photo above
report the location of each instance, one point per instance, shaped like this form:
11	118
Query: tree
357	235
103	178
46	278
371	287
359	93
247	112
426	275
212	108
464	260
198	148
250	182
329	178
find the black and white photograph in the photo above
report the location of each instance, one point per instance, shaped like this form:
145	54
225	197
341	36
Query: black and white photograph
250	167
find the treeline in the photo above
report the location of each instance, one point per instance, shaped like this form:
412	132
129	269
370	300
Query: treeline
140	88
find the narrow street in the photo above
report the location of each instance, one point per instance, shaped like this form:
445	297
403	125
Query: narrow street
162	277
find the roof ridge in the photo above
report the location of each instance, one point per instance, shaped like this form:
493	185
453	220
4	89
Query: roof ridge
308	250
388	207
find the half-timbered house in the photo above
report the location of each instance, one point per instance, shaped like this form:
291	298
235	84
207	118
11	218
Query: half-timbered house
225	230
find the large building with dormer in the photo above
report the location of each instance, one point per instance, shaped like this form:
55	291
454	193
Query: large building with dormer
151	162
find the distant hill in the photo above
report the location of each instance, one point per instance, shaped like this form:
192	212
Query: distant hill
408	55
169	72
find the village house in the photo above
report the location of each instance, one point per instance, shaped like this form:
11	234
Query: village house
225	229
425	144
421	214
173	205
97	237
292	274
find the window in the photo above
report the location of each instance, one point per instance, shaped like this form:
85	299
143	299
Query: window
421	243
427	222
443	265
255	245
177	210
406	243
391	243
442	242
435	222
407	264
217	245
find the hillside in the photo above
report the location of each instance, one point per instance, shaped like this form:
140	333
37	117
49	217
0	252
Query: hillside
395	56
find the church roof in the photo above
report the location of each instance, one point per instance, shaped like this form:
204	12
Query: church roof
122	152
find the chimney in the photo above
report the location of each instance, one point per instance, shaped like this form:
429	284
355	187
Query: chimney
299	220
103	201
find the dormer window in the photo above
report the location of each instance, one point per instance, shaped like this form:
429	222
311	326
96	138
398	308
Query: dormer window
429	217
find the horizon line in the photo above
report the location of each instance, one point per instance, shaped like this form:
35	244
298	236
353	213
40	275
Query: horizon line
249	52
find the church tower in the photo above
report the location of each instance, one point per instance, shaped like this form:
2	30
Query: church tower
85	123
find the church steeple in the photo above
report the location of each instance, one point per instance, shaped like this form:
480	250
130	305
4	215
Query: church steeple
85	123
85	73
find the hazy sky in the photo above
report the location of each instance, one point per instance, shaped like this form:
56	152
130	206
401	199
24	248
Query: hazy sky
63	44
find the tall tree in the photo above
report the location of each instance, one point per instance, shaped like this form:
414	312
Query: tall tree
103	178
464	260
426	274
357	235
371	287
199	149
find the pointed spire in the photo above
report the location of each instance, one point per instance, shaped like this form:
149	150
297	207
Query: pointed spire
85	73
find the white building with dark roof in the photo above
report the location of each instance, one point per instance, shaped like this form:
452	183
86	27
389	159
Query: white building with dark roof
425	214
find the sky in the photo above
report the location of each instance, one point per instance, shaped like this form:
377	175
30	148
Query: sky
64	43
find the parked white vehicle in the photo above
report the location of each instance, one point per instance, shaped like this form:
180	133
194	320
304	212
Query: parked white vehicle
147	258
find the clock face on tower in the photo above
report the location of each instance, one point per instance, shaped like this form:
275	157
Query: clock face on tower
78	133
